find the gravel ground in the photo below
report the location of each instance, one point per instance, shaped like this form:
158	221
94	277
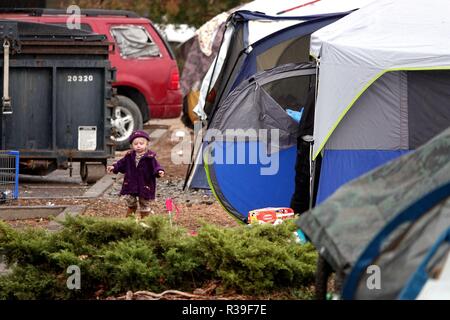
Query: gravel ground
34	223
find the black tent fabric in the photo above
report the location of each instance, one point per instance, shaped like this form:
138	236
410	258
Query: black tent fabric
301	199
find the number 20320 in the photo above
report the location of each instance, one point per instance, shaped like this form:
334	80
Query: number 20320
80	78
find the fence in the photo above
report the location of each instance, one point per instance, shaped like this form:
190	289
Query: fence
9	175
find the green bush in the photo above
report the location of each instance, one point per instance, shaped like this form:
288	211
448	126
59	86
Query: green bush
258	258
115	256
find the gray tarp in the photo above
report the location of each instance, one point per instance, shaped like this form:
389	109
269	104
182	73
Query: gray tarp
342	226
408	247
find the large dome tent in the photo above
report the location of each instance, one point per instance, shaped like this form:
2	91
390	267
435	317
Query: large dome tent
384	80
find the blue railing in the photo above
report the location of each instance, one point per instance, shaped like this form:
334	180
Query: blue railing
9	175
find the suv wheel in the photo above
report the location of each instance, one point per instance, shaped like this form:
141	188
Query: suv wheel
126	118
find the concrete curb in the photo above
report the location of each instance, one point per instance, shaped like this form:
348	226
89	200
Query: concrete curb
72	211
31	212
59	212
93	192
99	187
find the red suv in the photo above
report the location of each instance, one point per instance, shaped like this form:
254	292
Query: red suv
147	73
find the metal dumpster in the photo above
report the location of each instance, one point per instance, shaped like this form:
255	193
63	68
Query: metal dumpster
57	98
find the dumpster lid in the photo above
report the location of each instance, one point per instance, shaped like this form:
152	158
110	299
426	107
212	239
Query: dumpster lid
40	38
42	31
38	12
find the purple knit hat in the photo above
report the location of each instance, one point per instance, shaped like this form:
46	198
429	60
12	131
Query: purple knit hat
139	134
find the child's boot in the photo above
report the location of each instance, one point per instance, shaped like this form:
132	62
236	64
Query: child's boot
144	214
131	212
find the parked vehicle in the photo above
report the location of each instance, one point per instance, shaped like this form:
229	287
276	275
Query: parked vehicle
147	74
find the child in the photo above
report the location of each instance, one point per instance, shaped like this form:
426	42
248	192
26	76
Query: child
141	169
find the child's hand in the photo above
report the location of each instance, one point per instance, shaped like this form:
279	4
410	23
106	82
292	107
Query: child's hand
161	173
109	169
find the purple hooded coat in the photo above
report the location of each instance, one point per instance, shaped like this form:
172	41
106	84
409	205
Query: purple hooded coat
139	181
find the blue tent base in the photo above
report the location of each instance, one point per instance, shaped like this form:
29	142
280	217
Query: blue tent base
243	184
342	166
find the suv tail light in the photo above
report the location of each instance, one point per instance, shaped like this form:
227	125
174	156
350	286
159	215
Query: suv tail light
174	83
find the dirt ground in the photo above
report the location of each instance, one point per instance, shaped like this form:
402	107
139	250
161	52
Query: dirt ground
194	206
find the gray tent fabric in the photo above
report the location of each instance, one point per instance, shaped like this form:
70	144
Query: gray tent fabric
342	226
258	110
251	107
379	118
383	36
401	110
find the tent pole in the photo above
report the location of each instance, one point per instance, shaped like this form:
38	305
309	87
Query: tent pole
312	163
297	7
311	174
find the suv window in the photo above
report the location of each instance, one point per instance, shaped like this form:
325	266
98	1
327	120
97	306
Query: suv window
134	42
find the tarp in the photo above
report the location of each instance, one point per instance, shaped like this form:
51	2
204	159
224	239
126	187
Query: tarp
389	217
431	280
200	51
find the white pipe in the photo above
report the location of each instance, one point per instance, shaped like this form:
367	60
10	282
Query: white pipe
6	99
